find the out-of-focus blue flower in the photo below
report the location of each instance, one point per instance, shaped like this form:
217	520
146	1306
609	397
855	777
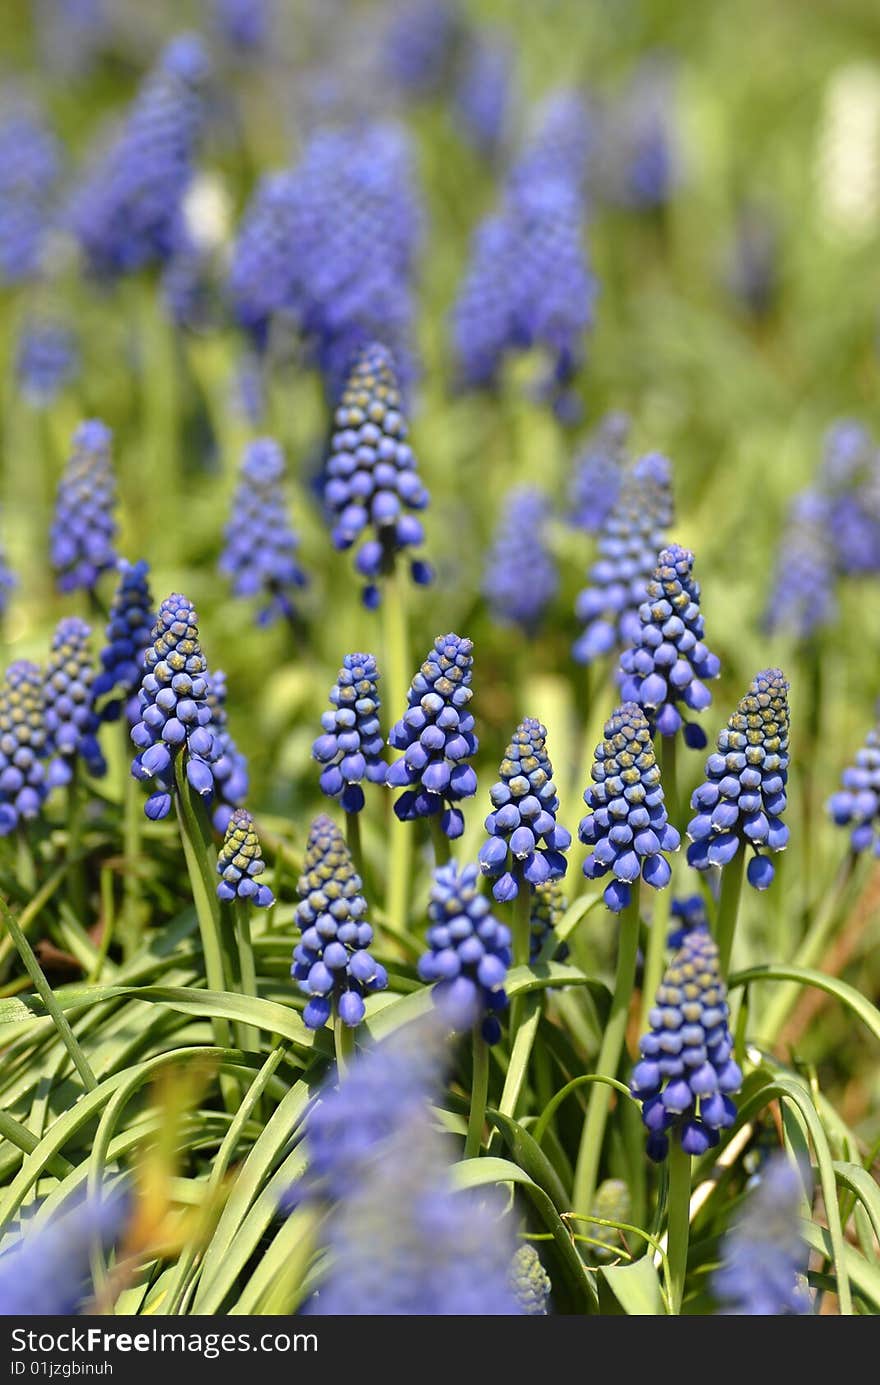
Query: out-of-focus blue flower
436	735
127	211
468	952
526	846
68	688
247	388
230	768
175	716
849	482
687	913
629	542
764	1257
802	598
83	531
372	479
23	745
742	799
641	139
8	582
485	91
418	44
687	1075
261	545
351	744
45	1268
857	803
752	270
191	286
668	661
239	862
262	274
46	359
559	143
72	34
627	829
548	907
331	961
244	26
30	163
520	578
128	634
597	474
530	1282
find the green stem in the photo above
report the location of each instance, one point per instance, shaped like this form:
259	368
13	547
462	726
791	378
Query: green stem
728	908
397	673
132	814
590	1152
47	995
479	1094
25	868
442	852
522	936
669	775
353	840
655	956
75	879
678	1221
343	1039
199	851
249	1037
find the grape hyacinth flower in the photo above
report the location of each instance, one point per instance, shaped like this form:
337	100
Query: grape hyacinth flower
548	907
764	1257
418	44
742	799
520	579
526	846
644	163
69	701
29	168
484	93
559	143
8	582
668	660
469	952
127	212
331	961
687	913
239	863
230	768
802	596
45	1270
128	634
612	1203
260	552
261	272
597	474
686	1075
175	716
436	735
627	829
530	1282
857	803
371	476
83	531
23	745
849	482
350	748
46	359
630	540
244	26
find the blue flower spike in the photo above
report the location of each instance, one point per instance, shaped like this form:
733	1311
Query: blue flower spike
127	637
230	768
687	1076
668	664
741	802
83	530
260	553
436	736
521	579
239	863
857	804
764	1257
469	952
23	746
627	829
332	961
526	846
350	747
71	720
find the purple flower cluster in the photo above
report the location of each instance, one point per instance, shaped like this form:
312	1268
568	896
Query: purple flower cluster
857	803
525	846
468	952
83	531
418	45
23	746
239	863
260	552
45	1270
351	745
244	26
8	582
597	474
30	164
485	92
641	142
521	579
436	735
128	635
230	768
802	596
46	358
764	1257
69	704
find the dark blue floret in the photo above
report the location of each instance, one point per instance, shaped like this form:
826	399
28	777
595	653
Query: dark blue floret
68	688
128	634
469	952
629	543
627	829
520	578
742	800
372	481
23	746
803	597
597	474
29	168
525	846
261	545
687	1075
83	531
46	358
530	1282
436	735
666	665
176	717
239	863
764	1257
331	961
857	804
351	746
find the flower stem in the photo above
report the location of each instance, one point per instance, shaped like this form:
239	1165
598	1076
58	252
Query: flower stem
728	908
440	841
397	672
201	865
250	1036
25	869
522	933
75	878
132	812
343	1039
678	1221
590	1152
479	1093
353	841
47	995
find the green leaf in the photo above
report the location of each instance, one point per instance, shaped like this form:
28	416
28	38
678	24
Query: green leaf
863	1186
864	1274
530	1157
636	1287
846	994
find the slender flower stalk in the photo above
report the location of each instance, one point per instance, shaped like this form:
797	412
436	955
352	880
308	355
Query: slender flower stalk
239	865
